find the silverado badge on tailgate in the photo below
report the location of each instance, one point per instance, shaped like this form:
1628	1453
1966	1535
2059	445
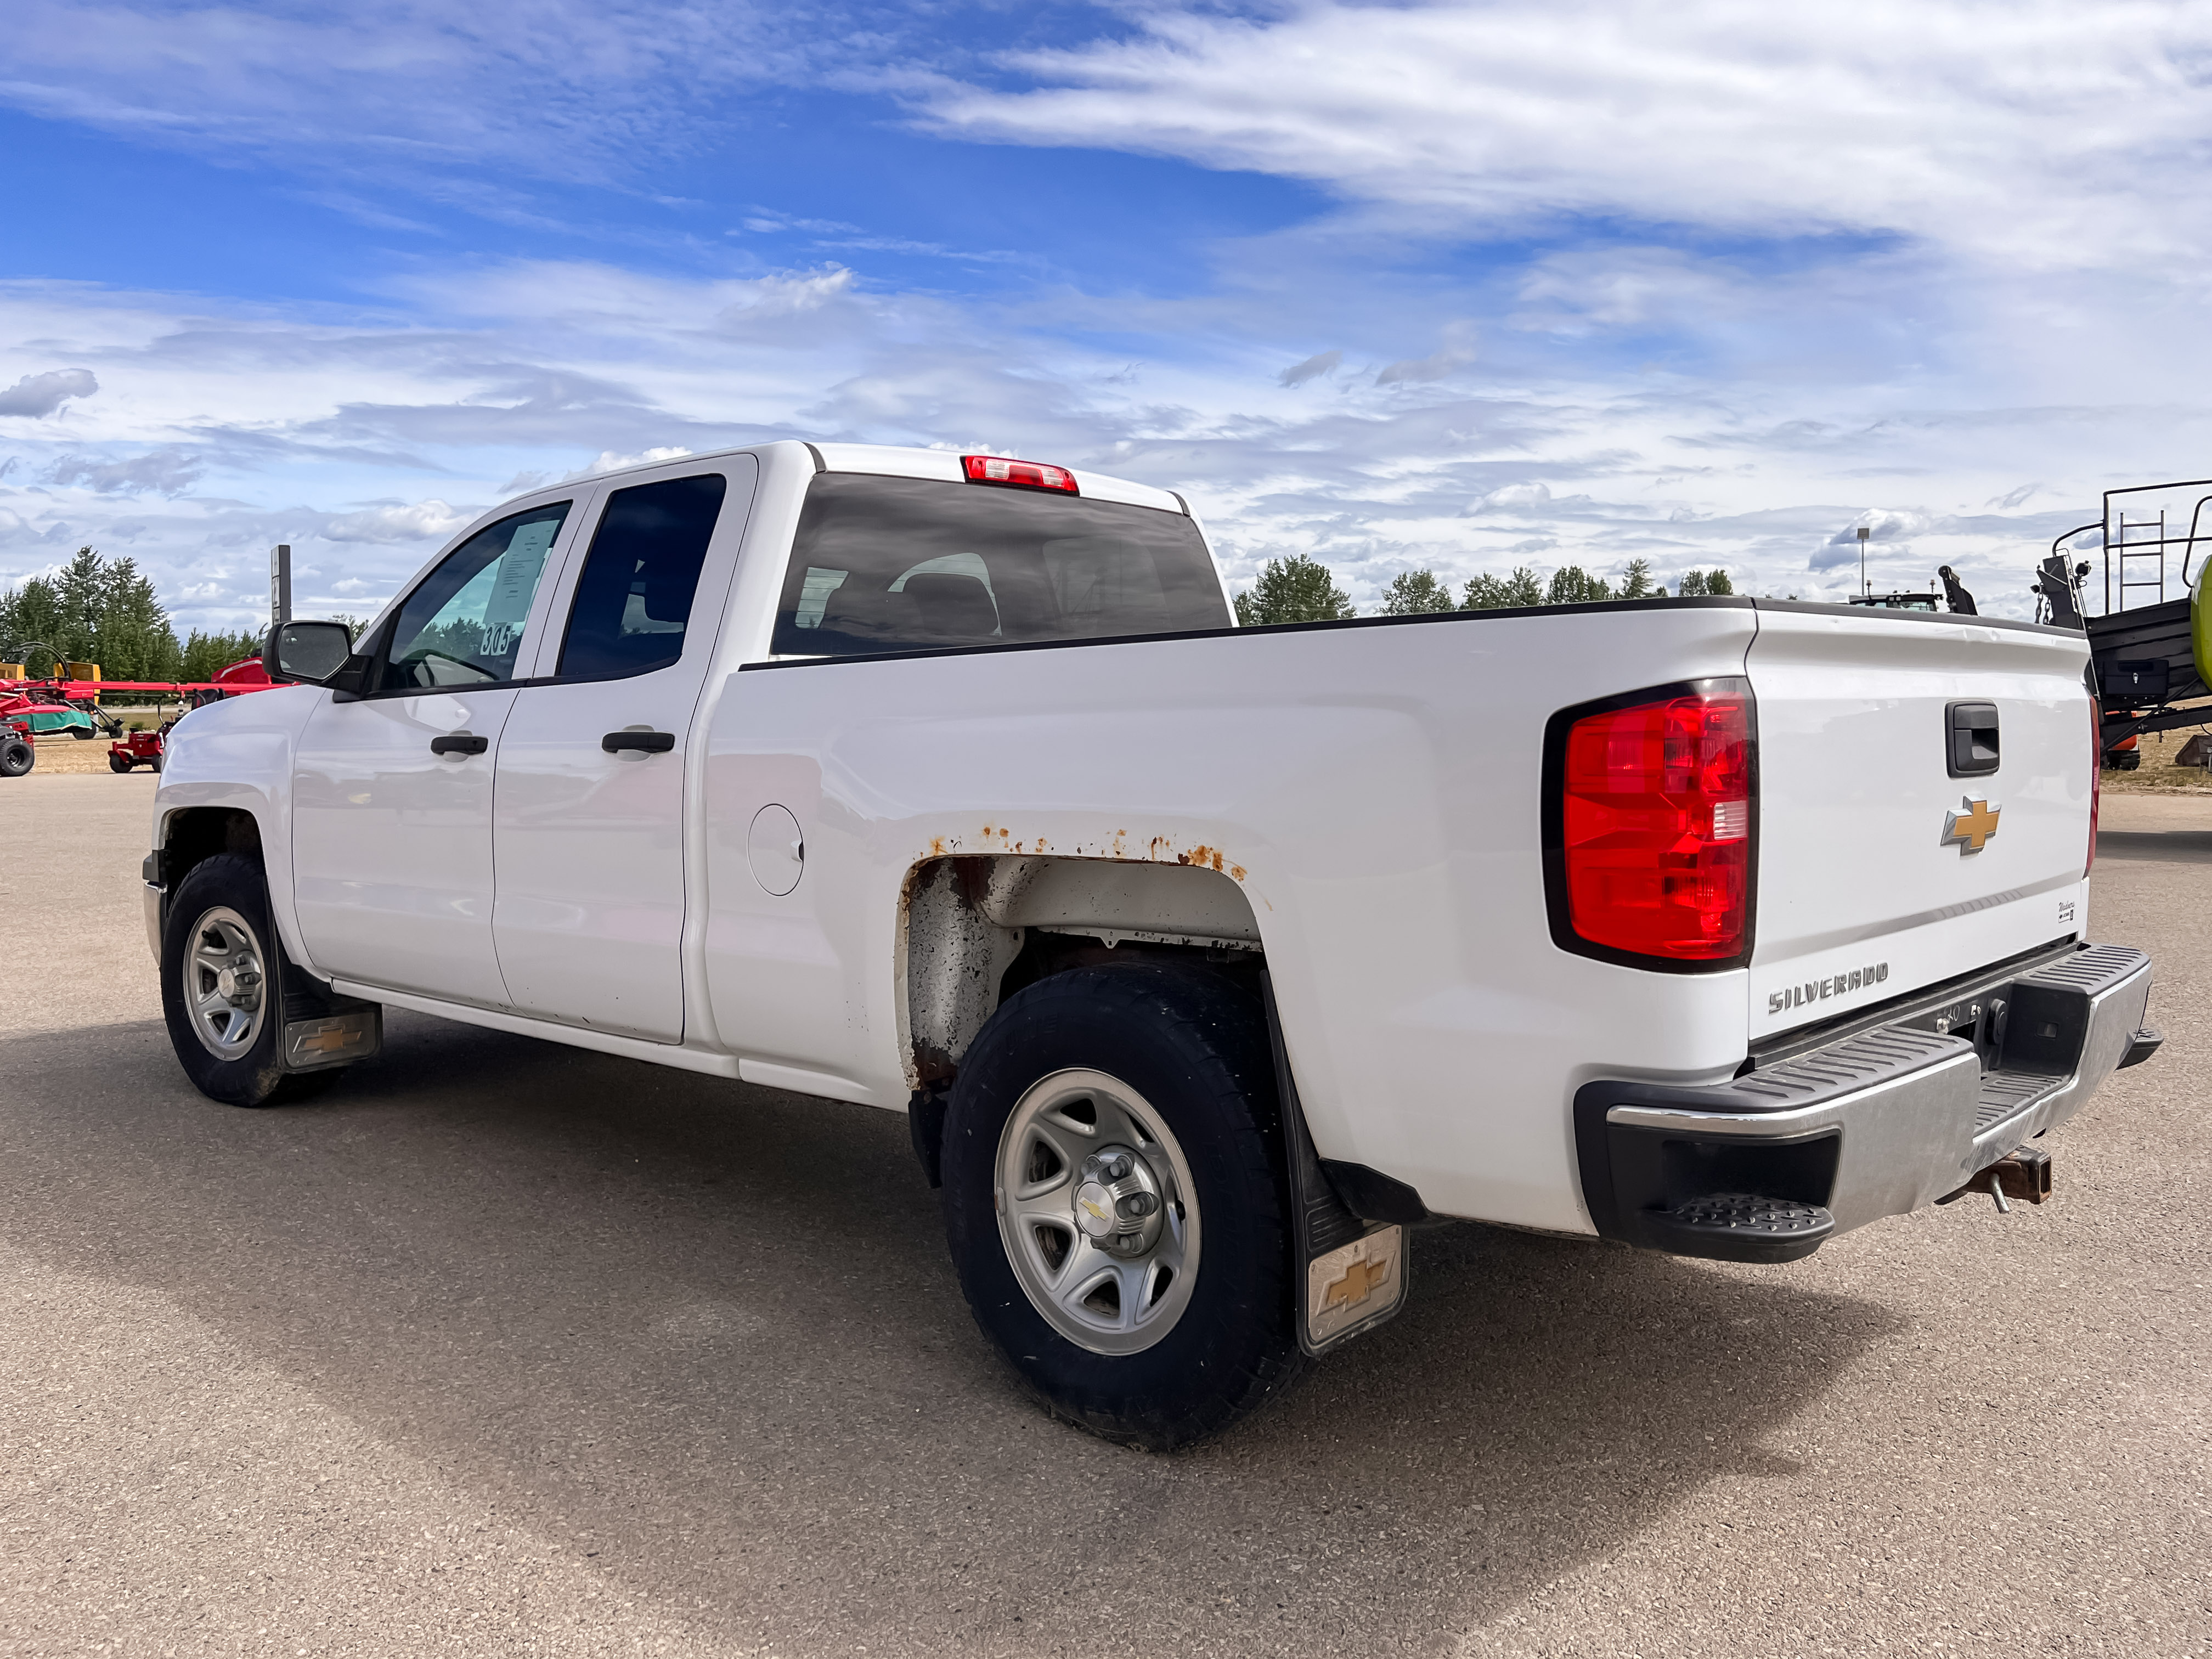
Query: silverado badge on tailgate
1971	827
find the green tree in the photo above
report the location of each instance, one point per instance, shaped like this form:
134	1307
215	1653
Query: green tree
1489	592
1293	590
1412	593
30	614
132	638
206	654
1717	581
94	610
1693	585
1572	584
1636	581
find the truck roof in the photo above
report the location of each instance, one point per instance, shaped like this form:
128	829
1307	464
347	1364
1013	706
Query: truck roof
898	461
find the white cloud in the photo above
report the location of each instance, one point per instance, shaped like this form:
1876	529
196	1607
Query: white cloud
1439	365
39	395
608	461
367	440
1520	495
2045	131
579	88
391	523
1321	364
170	470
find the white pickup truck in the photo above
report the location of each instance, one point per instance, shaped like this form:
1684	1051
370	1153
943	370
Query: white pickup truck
1204	962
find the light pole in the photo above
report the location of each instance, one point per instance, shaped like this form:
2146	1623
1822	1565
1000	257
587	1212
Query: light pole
280	584
1863	589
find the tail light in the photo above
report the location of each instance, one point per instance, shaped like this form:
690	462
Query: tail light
1021	474
1649	817
2096	779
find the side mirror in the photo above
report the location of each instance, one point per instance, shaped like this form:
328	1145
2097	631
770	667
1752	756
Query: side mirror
308	652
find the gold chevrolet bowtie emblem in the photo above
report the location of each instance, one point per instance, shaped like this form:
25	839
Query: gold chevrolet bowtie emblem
1361	1280
1971	827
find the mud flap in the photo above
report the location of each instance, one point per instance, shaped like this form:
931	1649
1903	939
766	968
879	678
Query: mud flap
1351	1271
323	1029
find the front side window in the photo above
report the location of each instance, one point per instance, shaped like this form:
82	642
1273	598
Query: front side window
464	625
904	564
633	600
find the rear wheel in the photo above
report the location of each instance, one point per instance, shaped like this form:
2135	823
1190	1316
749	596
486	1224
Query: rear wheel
222	969
1114	1204
119	762
81	732
16	756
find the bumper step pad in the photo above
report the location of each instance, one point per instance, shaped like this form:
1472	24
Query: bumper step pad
1765	1165
1749	1218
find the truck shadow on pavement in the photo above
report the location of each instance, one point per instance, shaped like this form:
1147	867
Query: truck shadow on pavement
710	1332
2162	846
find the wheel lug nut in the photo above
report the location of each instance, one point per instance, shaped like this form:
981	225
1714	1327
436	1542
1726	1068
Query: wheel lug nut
1137	1205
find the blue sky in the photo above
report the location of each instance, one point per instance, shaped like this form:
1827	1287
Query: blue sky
1457	287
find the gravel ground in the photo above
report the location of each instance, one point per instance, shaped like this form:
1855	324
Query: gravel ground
503	1348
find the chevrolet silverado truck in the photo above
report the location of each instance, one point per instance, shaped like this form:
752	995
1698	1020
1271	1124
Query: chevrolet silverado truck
1207	965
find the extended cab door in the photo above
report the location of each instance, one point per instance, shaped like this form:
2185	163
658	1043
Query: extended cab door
588	827
392	790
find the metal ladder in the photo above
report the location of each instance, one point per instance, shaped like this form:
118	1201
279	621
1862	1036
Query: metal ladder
2153	549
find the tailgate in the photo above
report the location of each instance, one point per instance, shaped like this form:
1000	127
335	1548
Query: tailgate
1868	884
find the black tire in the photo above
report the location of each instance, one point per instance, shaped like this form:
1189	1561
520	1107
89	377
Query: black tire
16	758
1192	1045
156	763
82	732
119	762
255	1076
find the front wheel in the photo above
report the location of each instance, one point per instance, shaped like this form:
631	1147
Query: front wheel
16	758
222	987
1114	1201
119	762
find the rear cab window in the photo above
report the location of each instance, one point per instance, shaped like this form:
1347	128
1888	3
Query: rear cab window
882	564
633	602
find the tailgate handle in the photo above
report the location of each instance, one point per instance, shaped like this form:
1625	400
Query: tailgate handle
1972	730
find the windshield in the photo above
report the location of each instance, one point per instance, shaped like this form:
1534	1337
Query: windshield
910	564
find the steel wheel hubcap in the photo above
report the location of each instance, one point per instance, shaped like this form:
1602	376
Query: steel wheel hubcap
1097	1212
224	981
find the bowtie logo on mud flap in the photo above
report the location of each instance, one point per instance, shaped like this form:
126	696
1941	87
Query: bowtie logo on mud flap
1971	827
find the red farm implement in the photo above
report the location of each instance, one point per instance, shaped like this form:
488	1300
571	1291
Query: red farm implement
29	707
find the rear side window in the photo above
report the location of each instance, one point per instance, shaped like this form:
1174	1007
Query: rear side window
908	564
464	625
633	600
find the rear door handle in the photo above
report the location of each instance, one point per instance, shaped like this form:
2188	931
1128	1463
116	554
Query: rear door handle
650	742
459	742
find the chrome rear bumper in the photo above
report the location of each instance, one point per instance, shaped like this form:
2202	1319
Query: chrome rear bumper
1876	1124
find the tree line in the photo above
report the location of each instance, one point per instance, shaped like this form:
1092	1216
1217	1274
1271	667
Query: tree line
105	611
1299	589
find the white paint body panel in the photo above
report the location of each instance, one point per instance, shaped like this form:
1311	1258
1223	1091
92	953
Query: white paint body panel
1854	789
392	844
589	845
1374	791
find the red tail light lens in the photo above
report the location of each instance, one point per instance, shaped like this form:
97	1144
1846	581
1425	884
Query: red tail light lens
1655	828
2096	780
1021	474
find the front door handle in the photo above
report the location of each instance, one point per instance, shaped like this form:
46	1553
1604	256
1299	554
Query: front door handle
650	742
459	742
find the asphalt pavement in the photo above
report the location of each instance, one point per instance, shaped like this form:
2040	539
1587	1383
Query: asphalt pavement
505	1349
